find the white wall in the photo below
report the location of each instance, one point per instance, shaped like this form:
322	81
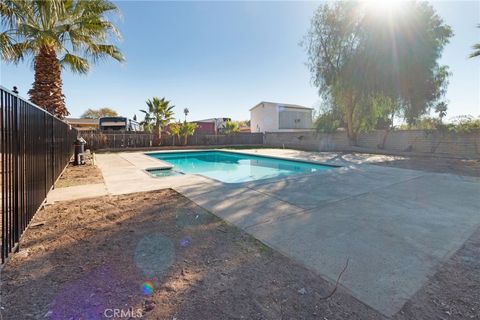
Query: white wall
264	118
288	118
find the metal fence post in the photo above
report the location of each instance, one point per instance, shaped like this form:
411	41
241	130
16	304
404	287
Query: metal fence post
16	172
52	150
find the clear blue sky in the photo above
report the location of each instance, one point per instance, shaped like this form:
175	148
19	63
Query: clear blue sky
221	58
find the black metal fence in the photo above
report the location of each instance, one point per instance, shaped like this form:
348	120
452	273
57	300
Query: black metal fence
125	140
35	147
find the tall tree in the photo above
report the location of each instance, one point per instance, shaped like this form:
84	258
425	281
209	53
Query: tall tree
98	113
157	116
358	58
476	47
57	34
400	53
332	44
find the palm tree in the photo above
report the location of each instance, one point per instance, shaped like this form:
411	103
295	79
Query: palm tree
174	129
186	112
56	34
147	123
187	129
231	127
476	47
441	109
158	115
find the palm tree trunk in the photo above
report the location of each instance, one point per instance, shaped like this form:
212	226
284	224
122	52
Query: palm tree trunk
349	120
157	135
47	87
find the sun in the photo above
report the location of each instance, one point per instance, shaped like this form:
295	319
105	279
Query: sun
384	7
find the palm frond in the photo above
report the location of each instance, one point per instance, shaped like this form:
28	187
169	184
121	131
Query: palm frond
7	51
99	52
476	47
76	64
78	30
475	53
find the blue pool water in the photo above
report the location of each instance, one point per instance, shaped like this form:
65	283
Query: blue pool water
232	167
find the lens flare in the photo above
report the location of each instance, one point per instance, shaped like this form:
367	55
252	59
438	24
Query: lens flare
154	254
384	7
184	242
147	288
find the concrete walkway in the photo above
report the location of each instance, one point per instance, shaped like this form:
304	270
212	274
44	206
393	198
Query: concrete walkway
76	192
395	226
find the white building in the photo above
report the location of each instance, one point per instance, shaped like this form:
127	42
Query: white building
280	117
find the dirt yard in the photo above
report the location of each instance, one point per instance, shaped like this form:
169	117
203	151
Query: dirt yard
160	255
463	167
157	255
80	175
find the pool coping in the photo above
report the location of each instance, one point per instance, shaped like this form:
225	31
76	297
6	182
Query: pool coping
245	153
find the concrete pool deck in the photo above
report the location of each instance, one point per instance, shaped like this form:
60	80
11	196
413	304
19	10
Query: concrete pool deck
395	226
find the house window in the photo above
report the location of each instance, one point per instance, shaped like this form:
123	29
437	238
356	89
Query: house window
294	119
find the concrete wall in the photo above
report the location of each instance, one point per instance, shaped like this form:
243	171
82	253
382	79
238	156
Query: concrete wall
396	142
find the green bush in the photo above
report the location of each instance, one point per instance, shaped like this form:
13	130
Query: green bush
327	122
465	124
461	124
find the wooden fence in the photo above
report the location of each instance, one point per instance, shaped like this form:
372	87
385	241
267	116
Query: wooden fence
131	140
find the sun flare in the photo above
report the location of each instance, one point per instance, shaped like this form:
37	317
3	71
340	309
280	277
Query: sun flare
383	7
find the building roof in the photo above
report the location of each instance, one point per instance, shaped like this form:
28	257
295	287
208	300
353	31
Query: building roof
213	119
74	121
296	106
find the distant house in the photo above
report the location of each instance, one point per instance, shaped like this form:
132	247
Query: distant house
280	117
205	127
83	124
119	124
218	124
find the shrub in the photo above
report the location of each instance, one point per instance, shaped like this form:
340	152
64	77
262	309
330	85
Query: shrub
465	124
327	122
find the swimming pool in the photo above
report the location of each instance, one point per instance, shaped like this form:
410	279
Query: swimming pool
231	167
